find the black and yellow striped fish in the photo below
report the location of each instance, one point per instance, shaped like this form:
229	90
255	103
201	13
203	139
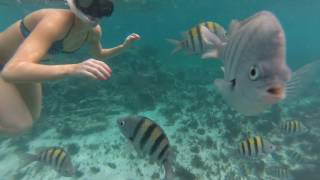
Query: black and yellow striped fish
255	146
293	127
149	139
193	40
56	157
280	172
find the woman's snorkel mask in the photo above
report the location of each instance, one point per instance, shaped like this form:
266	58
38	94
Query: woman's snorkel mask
94	12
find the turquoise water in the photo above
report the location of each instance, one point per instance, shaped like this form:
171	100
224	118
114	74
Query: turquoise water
176	91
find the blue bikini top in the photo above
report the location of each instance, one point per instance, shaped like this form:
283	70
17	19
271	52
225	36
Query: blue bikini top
56	47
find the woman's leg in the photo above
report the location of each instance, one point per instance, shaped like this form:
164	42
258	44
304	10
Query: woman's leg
32	96
18	105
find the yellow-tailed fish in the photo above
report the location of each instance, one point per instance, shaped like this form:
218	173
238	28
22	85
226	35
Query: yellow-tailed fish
192	39
149	139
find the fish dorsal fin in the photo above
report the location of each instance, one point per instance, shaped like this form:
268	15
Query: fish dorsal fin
41	149
234	25
184	34
248	134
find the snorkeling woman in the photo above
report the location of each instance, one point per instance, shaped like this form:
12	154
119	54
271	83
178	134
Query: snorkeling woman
48	32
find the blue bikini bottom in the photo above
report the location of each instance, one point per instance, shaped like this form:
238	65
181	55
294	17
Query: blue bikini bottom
1	66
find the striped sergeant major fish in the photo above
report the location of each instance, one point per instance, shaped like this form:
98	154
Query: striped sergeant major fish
279	172
55	157
255	146
255	68
192	40
149	139
293	127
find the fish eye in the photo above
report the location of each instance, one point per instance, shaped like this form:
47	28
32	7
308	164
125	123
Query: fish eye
254	73
122	123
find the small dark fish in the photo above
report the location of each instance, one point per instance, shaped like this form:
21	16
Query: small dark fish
282	173
293	127
255	146
56	157
149	139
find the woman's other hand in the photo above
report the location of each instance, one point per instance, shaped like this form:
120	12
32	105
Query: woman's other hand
132	37
93	69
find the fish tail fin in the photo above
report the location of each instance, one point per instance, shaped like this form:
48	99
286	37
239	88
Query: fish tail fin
275	128
168	165
212	41
169	173
25	158
302	79
177	44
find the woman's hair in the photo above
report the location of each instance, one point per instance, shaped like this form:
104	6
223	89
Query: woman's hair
97	8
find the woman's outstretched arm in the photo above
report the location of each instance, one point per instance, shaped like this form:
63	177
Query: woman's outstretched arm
99	52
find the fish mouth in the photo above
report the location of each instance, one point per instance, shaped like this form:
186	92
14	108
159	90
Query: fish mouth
276	93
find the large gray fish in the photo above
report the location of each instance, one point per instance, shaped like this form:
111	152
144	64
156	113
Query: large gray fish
255	69
56	157
149	139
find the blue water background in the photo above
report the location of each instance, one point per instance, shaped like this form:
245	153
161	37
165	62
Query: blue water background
300	20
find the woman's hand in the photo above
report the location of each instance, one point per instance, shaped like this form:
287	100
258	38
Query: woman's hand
93	69
132	37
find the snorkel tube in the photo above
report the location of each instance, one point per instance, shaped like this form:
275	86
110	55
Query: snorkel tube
86	18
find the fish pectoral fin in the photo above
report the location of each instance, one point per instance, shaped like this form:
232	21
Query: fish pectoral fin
223	86
210	54
212	43
210	38
222	69
223	83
